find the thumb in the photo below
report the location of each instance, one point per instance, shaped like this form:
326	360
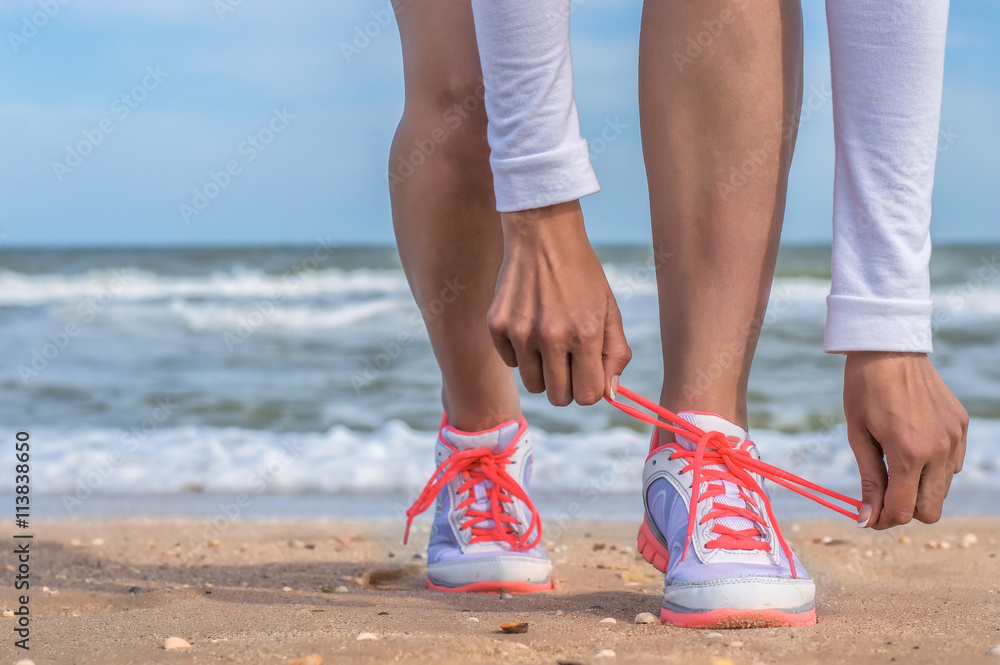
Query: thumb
874	478
616	353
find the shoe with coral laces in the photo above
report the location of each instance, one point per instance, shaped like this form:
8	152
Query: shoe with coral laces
486	529
726	564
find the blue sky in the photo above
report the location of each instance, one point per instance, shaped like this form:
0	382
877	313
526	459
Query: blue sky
189	87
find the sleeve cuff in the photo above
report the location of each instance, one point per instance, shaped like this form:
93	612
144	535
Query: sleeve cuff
545	179
873	324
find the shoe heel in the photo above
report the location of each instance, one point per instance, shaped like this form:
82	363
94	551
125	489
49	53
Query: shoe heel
651	548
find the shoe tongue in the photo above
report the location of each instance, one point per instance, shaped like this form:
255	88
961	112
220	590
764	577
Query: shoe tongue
711	423
495	440
736	436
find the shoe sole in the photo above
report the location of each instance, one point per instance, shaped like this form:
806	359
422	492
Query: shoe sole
654	552
492	587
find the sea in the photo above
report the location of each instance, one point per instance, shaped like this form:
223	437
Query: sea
298	382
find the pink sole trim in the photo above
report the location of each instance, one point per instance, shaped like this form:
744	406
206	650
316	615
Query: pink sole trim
651	549
493	587
725	618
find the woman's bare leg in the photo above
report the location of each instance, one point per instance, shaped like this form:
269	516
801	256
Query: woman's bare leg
443	209
720	87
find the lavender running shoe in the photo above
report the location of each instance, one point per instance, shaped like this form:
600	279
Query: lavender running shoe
486	529
726	564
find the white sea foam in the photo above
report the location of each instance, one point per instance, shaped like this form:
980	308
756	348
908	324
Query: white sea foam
396	458
131	284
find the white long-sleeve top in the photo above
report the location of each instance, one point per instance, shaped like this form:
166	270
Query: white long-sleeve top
887	58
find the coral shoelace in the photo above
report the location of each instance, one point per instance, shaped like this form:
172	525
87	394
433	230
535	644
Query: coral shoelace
713	448
476	466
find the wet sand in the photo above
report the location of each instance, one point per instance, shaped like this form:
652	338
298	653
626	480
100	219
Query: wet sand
274	591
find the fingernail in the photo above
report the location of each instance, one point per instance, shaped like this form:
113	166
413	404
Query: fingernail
864	515
614	387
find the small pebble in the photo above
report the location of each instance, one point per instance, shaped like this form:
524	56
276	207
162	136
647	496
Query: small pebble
995	651
711	636
134	589
25	661
366	636
826	540
287	588
296	543
969	539
945	545
472	620
905	540
214	543
506	596
172	643
722	661
514	627
418	555
75	542
605	653
97	542
314	659
736	644
49	591
646	617
326	588
8	613
341	589
608	620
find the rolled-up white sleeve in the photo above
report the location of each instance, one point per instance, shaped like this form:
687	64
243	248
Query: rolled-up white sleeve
537	153
887	60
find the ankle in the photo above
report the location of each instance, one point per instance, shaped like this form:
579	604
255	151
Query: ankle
726	405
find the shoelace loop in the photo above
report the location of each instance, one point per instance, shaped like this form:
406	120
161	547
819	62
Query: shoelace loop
714	448
478	465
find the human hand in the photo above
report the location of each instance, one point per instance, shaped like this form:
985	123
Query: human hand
898	406
554	316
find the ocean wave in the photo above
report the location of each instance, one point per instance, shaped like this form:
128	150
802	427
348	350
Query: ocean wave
396	458
127	284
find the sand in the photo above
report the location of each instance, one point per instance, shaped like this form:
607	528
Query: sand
266	592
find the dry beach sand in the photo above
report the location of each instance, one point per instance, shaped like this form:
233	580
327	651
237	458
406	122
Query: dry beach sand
275	591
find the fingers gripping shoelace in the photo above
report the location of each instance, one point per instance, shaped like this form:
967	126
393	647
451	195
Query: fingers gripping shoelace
479	465
713	448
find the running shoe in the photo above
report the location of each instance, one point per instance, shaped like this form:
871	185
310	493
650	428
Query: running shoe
709	527
486	530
